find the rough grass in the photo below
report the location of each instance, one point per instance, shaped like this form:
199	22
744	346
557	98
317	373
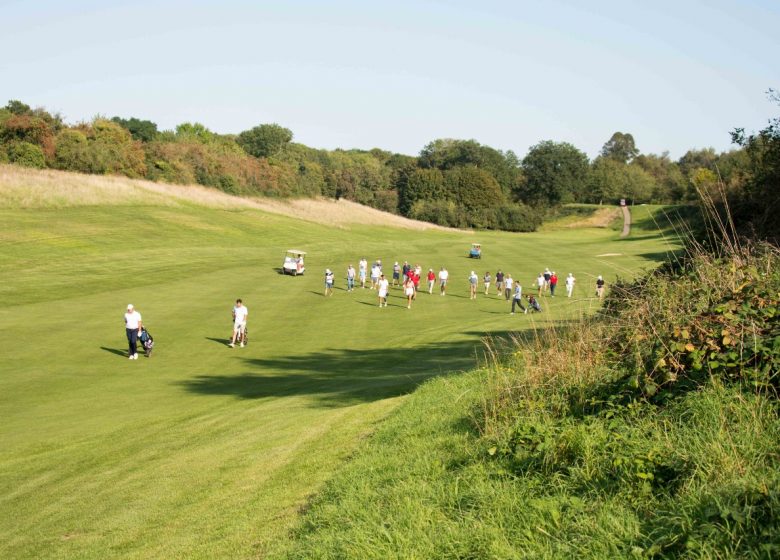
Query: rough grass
22	187
540	455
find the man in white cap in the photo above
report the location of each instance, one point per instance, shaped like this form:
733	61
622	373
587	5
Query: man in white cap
132	328
600	287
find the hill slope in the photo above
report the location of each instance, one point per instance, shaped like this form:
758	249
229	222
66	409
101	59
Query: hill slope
204	451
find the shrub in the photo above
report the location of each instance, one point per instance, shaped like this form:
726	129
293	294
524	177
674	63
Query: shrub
26	154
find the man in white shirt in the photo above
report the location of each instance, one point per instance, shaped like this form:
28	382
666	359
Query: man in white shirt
362	269
570	284
132	329
443	277
240	313
508	283
384	286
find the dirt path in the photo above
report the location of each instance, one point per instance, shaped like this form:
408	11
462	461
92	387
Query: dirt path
626	221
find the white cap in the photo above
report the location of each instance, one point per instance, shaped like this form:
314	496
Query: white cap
600	278
130	306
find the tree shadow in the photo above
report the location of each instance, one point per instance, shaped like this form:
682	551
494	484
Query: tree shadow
340	376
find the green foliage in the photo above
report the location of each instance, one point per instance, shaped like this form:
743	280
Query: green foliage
755	200
72	151
620	148
142	130
555	173
415	184
449	153
473	188
720	321
18	108
265	140
26	154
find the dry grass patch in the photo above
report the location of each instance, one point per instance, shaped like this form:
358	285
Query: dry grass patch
26	188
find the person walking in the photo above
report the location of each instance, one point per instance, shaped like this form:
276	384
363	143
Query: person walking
473	281
409	291
362	271
486	279
133	327
508	283
540	283
546	276
499	282
240	314
383	287
517	299
600	287
405	272
443	277
376	271
328	282
396	274
350	278
570	284
431	280
416	279
553	283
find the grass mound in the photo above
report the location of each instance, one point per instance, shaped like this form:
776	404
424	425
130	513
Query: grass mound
622	437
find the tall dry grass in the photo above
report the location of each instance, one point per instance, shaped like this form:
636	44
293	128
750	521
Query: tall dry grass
26	188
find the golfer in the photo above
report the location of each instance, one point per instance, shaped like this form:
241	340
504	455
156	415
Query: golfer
383	287
240	313
132	329
443	276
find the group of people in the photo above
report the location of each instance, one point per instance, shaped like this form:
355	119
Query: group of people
409	278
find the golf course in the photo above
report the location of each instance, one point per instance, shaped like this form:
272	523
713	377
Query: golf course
207	451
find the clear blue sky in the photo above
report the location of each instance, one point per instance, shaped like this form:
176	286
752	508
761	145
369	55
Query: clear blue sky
396	75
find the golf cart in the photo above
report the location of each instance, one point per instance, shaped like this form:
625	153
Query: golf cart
476	251
293	262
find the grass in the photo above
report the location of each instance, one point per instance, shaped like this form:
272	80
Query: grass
552	451
203	451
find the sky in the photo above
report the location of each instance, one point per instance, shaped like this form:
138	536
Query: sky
396	75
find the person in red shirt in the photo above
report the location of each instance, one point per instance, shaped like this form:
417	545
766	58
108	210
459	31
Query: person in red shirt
431	280
415	281
553	283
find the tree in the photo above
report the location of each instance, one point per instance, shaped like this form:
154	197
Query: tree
448	153
265	140
473	188
414	184
606	181
145	131
555	173
757	203
620	147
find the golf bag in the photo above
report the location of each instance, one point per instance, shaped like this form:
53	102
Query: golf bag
146	341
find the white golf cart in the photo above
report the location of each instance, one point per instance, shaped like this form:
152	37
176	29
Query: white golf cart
293	262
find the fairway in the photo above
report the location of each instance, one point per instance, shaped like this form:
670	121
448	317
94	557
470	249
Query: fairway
204	451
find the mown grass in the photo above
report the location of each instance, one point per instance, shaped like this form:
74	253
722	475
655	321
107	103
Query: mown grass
203	451
553	450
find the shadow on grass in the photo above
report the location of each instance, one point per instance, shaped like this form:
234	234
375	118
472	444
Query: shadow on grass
116	351
341	376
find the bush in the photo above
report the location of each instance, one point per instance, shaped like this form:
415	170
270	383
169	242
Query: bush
26	154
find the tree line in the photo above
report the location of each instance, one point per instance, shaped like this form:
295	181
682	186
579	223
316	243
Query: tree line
459	183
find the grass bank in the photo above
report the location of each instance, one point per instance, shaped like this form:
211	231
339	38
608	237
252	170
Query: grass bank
650	432
203	451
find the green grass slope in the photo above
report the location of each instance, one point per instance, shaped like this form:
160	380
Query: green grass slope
204	451
652	432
